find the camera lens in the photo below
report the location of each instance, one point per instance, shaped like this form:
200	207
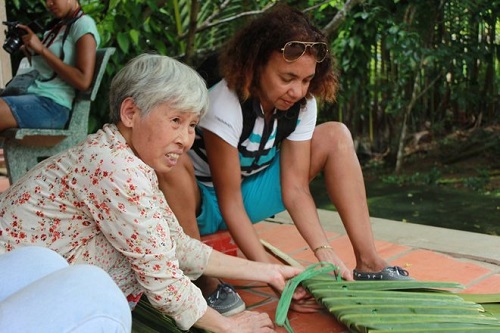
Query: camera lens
12	44
13	41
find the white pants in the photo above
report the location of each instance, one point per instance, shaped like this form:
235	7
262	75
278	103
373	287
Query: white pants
40	292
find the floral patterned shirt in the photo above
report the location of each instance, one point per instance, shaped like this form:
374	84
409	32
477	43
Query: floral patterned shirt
98	203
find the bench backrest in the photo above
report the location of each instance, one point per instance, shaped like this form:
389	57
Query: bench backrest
80	112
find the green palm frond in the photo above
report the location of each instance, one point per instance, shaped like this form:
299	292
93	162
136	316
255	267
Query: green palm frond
392	306
402	306
147	319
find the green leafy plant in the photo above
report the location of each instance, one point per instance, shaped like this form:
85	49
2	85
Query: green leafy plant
147	319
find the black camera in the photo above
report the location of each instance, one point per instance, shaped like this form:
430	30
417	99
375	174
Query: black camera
13	35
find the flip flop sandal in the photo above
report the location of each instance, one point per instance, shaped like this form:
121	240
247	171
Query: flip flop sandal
389	273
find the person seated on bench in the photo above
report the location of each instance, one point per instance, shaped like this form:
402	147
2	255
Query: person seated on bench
65	60
40	292
99	202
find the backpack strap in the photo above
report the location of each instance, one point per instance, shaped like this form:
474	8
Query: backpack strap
287	120
249	115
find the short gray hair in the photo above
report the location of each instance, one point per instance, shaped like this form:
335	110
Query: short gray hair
151	80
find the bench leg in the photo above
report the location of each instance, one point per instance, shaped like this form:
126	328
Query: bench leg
18	159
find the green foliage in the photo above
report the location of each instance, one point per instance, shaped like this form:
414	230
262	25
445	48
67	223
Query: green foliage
381	47
419	178
384	46
479	182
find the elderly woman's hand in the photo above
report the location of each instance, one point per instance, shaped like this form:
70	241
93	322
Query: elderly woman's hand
243	322
302	301
251	321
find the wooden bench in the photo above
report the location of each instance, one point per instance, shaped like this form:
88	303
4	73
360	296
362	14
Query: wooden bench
25	147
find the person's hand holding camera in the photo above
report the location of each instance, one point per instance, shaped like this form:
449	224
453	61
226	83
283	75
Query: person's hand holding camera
31	41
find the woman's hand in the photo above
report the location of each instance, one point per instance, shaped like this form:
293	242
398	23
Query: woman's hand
279	274
31	40
251	321
328	255
302	301
243	322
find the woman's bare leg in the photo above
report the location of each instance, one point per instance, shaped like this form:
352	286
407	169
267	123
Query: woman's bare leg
7	120
333	154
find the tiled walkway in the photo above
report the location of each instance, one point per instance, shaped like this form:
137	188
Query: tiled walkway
477	275
424	265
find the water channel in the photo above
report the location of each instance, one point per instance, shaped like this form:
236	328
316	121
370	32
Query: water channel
427	204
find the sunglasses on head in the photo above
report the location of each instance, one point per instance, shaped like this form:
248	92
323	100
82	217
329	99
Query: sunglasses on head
294	50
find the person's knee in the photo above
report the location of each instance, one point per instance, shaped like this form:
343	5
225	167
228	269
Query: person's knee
103	324
93	279
35	254
94	289
333	134
78	298
336	129
7	119
24	265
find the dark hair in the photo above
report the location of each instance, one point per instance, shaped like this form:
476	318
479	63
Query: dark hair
250	49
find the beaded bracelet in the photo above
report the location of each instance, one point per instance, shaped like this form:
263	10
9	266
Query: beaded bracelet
321	247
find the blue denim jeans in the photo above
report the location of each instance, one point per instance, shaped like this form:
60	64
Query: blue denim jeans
32	111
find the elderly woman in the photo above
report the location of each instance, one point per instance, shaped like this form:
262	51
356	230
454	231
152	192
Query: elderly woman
99	202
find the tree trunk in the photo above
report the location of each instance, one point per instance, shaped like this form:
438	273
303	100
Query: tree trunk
409	108
190	40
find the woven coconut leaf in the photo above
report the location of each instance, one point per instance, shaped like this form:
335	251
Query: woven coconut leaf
390	306
401	306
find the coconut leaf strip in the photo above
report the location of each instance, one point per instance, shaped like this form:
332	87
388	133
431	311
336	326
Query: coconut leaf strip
431	326
493	309
367	300
382	285
372	321
482	298
328	293
454	329
409	309
335	306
